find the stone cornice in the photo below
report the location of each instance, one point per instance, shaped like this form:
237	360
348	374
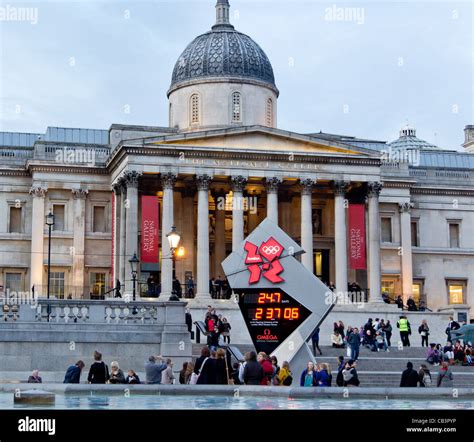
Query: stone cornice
241	154
67	169
417	190
14	172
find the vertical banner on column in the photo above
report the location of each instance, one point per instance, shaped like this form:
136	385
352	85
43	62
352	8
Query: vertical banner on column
112	272
357	243
150	223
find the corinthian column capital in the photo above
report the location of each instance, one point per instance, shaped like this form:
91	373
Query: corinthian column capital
238	183
131	178
405	207
168	180
203	181
79	194
272	184
340	187
38	191
307	186
374	189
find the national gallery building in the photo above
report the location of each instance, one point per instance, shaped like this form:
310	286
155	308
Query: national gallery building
395	217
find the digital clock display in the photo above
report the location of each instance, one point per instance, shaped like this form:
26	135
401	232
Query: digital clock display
271	316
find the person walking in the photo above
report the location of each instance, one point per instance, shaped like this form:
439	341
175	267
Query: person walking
73	373
387	328
153	370
222	374
409	377
99	372
405	330
182	373
424	331
308	376
424	376
168	375
445	376
116	374
253	371
315	341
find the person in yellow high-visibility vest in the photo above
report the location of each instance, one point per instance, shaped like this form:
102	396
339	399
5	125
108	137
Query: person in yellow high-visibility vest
405	330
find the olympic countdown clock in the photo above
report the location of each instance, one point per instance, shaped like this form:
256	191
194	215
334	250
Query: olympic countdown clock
281	301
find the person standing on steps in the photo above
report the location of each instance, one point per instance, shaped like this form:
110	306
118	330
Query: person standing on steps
353	340
387	328
424	331
315	341
409	377
405	330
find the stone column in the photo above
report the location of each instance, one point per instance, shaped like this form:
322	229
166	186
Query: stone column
238	185
272	185
116	216
37	239
79	215
407	261
131	214
123	228
219	235
167	181
253	211
307	223
340	235
188	222
203	182
375	272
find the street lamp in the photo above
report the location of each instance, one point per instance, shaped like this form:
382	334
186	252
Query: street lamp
50	224
134	265
173	238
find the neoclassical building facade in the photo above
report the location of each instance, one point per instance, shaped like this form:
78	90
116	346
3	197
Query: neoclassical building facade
219	168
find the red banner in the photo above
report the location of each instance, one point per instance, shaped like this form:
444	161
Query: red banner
150	223
357	256
112	274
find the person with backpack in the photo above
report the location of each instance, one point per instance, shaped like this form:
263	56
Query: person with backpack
424	376
387	328
285	377
339	377
99	372
349	374
409	377
424	331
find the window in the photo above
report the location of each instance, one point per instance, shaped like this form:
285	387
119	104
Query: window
388	287
414	234
13	282
453	235
417	290
57	285
171	115
386	227
195	109
236	108
97	286
269	112
456	292
15	220
58	211
98	222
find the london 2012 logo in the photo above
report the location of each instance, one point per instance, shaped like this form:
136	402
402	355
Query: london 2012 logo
264	261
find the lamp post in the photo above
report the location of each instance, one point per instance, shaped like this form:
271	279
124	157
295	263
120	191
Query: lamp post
50	224
134	265
173	238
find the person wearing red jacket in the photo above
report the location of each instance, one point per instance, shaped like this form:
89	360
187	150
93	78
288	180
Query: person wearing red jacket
267	367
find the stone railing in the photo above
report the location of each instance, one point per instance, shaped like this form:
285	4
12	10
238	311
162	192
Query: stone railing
77	154
87	312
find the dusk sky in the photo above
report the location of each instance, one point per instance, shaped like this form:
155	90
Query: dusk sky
93	63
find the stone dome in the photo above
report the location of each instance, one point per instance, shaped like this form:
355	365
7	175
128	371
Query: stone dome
223	53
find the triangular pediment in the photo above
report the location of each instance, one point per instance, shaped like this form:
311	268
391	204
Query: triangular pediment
261	139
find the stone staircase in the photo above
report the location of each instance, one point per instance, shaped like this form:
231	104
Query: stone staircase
382	369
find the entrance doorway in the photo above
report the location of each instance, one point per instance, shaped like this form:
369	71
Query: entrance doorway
321	265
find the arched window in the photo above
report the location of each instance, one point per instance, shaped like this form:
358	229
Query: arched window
269	112
236	107
194	113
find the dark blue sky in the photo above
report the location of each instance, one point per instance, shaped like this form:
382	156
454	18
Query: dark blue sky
94	63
